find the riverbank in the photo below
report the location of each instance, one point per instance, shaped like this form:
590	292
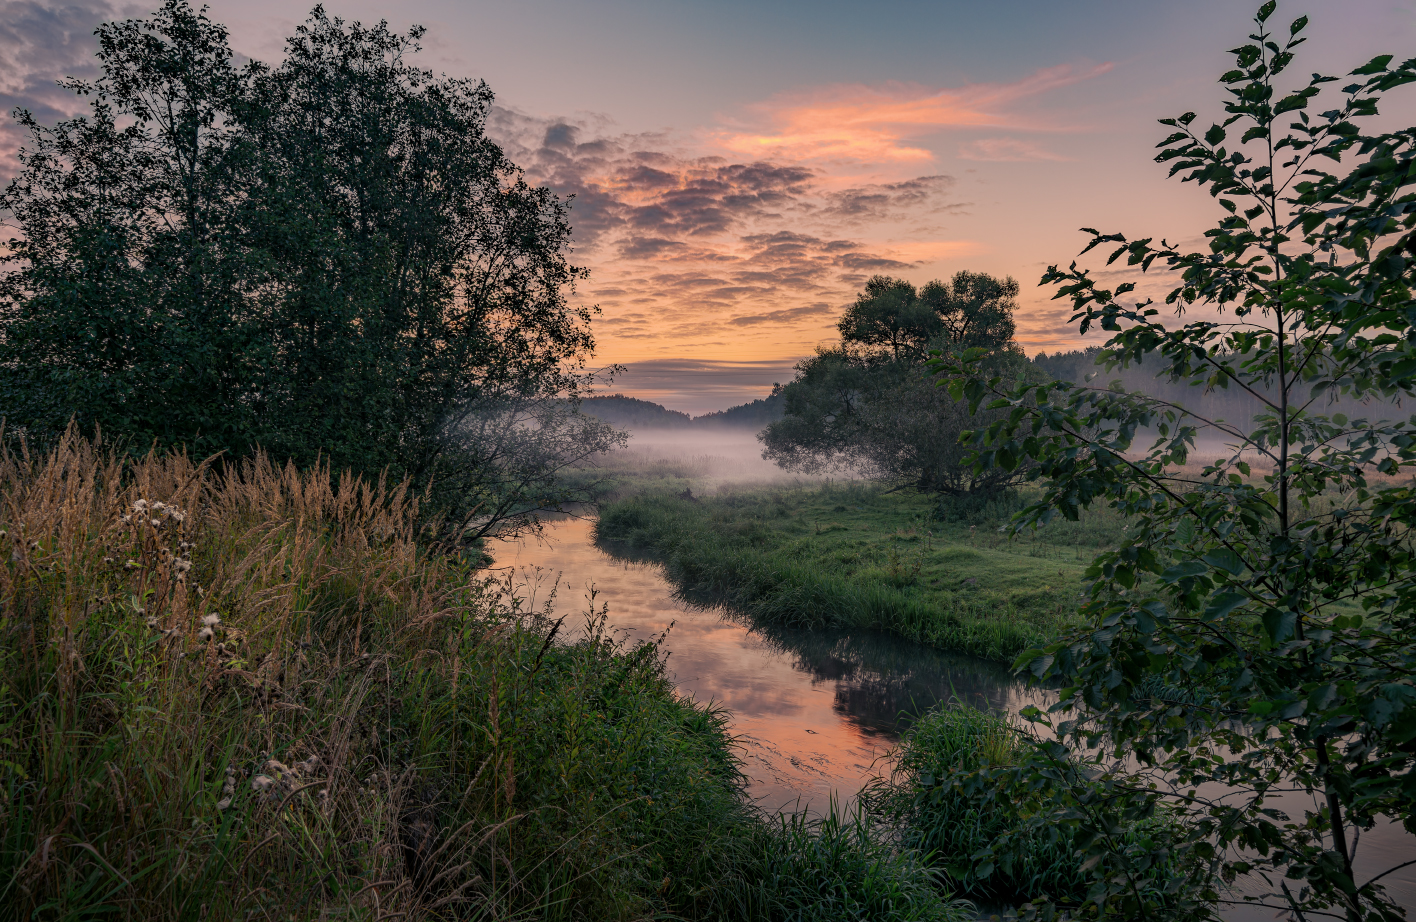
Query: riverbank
856	555
262	695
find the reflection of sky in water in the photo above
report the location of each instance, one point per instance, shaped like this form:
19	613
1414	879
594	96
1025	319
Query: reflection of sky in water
814	710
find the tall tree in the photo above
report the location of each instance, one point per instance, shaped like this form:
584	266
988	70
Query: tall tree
1253	635
327	258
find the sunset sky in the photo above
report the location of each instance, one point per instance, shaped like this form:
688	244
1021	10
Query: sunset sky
740	169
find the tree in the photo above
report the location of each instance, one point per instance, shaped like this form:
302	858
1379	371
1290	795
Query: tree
326	258
1254	632
890	313
867	405
974	309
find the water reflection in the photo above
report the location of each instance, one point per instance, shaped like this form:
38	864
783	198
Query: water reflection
880	681
813	710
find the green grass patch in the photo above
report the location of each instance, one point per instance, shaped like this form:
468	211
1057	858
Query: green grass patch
856	555
961	791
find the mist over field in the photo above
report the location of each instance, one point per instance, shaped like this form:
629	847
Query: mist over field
710	458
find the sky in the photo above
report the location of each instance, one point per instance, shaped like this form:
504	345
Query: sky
740	169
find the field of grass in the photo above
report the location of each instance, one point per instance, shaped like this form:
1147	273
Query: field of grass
259	695
854	554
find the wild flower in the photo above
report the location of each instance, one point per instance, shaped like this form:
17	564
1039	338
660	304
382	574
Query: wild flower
204	635
228	789
211	620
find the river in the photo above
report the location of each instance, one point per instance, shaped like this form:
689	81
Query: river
814	712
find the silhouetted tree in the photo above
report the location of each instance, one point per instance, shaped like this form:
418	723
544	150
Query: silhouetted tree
867	406
327	258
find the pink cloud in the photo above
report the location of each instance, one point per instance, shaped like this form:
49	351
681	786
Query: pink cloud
877	124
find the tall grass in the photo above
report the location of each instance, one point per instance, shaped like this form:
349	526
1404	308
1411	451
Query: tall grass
927	797
257	695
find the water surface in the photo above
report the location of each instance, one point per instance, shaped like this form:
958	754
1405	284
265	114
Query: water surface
814	711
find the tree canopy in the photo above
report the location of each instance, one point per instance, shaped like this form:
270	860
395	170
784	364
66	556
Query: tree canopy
866	404
326	257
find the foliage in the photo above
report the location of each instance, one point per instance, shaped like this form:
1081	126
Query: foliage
855	556
938	795
867	407
842	866
1253	632
257	693
633	413
754	414
325	258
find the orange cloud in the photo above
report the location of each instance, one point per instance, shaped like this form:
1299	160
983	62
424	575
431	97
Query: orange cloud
876	124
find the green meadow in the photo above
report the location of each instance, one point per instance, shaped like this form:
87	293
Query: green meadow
858	555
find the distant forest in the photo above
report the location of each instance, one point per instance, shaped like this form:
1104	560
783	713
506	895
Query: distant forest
633	413
1232	405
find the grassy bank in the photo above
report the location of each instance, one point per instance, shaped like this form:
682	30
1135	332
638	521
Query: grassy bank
260	696
856	555
957	792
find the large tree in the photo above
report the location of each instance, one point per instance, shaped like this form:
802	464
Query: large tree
867	406
325	258
1241	704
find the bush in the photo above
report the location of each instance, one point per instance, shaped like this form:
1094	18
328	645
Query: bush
955	794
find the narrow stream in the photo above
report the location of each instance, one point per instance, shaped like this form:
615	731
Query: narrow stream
814	711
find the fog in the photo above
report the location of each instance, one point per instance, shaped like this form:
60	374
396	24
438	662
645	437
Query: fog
711	458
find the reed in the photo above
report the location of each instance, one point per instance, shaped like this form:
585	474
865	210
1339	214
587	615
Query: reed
257	694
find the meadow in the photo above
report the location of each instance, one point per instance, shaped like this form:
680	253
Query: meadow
856	554
261	693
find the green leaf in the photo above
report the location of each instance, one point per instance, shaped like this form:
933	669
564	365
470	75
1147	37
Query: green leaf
1280	625
1223	603
1266	11
1184	570
1215	135
1375	66
1224	559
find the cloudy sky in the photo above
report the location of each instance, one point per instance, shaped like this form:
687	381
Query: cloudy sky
741	168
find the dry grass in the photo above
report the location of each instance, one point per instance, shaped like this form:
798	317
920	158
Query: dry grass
209	692
254	694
